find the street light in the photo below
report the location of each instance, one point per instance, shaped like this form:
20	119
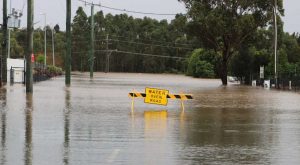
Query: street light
45	44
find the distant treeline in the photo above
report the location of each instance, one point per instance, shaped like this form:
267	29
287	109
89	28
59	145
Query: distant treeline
133	44
152	46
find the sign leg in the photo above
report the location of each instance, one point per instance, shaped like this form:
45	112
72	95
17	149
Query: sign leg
182	106
132	105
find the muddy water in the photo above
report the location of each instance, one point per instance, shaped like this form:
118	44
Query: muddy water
91	123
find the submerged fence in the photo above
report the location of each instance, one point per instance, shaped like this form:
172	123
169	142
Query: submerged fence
283	83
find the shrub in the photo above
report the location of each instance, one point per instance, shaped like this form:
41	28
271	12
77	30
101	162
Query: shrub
40	58
200	64
53	70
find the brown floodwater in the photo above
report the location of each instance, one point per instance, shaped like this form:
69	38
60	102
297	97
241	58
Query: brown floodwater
91	123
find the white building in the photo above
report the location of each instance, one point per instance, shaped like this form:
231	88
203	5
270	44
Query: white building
15	70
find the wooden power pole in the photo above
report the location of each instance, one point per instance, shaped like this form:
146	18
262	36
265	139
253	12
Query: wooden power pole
68	39
29	51
3	60
275	43
92	51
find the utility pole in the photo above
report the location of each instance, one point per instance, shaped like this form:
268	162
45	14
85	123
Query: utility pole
107	54
45	41
8	44
68	38
53	59
9	31
29	52
275	43
3	59
92	51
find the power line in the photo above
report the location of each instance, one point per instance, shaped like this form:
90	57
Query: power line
148	40
124	10
144	54
139	43
133	53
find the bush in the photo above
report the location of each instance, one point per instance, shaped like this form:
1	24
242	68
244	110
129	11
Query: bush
40	58
53	70
204	69
200	64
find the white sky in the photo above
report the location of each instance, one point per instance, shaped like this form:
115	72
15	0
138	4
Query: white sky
56	10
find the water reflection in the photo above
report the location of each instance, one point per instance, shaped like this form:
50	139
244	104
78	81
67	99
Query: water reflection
155	134
67	111
28	130
3	109
182	125
155	123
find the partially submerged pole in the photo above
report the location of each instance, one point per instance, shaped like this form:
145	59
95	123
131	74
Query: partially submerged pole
275	43
68	51
92	48
29	51
4	45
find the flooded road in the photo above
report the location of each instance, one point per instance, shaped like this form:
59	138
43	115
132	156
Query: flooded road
91	123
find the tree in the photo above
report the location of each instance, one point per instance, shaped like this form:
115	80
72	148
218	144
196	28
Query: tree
292	48
80	35
224	25
200	63
57	28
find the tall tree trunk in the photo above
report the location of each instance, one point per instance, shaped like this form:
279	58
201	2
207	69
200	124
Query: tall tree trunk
224	72
224	67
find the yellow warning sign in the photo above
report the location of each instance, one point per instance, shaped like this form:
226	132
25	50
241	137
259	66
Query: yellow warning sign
156	96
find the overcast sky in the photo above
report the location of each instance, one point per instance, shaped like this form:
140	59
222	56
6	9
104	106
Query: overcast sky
56	9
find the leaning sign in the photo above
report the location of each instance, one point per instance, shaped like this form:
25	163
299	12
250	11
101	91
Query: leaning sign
156	96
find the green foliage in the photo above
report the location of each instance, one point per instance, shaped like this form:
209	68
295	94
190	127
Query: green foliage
291	47
200	64
40	58
53	70
80	37
57	28
224	25
226	36
241	64
204	69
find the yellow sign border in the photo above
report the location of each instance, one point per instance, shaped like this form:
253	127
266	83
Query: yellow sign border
156	103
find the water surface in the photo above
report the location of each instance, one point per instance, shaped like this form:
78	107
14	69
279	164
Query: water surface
91	123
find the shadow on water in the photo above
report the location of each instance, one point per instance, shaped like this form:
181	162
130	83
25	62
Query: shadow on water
3	124
67	111
28	156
